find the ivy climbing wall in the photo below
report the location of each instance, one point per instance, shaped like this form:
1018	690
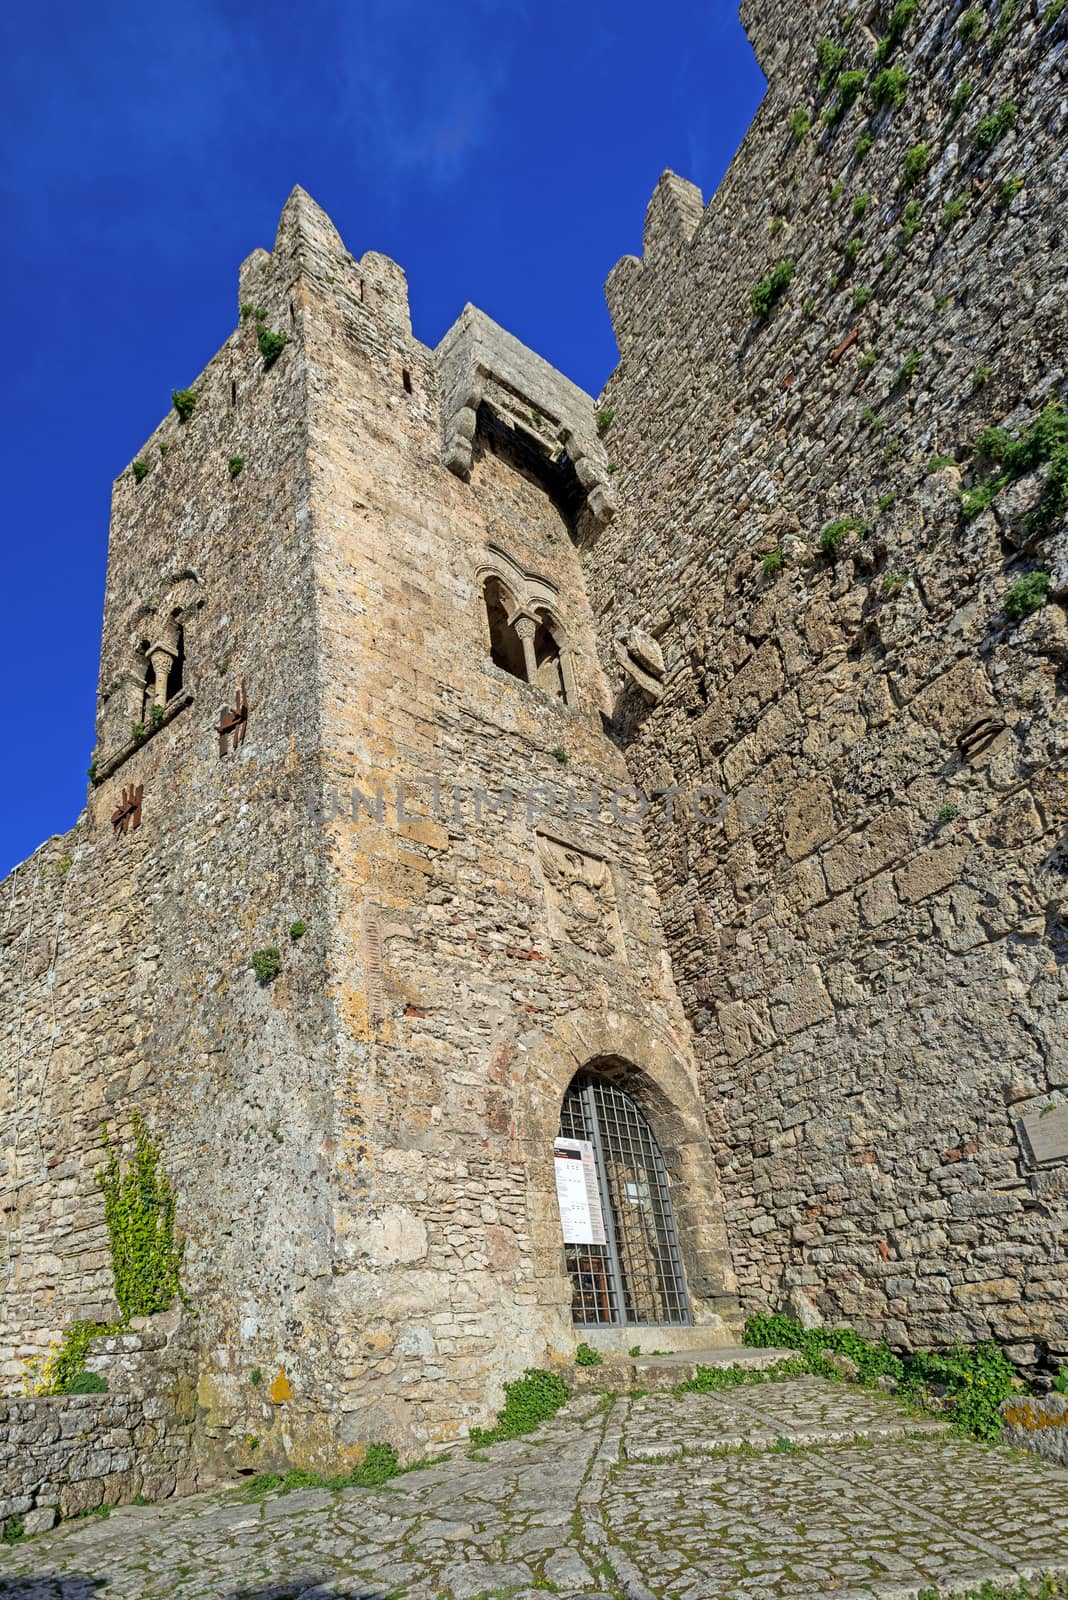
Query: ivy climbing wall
860	594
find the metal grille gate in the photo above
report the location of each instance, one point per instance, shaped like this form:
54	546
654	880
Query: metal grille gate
637	1276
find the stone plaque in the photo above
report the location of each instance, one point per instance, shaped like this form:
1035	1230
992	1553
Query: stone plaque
1046	1133
581	898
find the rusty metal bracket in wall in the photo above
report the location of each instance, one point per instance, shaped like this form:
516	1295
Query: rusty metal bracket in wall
127	813
234	723
979	733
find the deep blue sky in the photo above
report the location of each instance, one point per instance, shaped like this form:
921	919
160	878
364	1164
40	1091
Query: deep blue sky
503	151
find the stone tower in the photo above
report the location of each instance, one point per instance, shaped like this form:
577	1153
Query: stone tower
379	622
350	685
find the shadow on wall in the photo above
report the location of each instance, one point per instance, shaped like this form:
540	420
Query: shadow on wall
82	1588
301	1591
70	1588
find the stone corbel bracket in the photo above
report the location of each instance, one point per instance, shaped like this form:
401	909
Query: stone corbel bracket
480	364
642	661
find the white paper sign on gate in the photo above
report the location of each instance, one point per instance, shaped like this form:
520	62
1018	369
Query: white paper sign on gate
577	1192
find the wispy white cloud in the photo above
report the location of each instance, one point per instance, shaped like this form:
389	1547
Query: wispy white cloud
419	87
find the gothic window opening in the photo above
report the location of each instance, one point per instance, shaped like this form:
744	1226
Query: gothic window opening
635	1277
549	675
176	677
506	647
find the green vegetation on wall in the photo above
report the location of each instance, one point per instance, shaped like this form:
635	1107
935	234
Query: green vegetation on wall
967	1384
528	1401
146	1252
766	294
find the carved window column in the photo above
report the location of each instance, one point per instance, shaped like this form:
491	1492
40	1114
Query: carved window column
567	673
162	659
526	628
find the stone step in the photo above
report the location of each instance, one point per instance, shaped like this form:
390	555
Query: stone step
617	1373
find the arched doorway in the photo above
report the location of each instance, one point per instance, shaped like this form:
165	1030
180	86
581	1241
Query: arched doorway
635	1275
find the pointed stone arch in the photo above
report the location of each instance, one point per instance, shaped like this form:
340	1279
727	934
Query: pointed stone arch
661	1079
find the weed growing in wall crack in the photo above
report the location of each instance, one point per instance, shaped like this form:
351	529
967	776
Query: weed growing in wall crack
969	24
900	18
146	1251
772	563
586	1356
1008	189
1026	596
297	930
907	370
863	145
800	122
270	344
528	1401
1045	442
953	210
834	534
184	402
848	88
960	99
829	59
139	469
910	221
1000	38
766	294
235	464
604	420
889	88
974	501
267	963
995	126
915	165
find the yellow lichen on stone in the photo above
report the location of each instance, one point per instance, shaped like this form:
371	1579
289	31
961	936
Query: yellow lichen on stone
280	1390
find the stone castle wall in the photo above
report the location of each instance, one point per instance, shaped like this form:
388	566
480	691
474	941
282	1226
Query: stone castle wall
361	1147
61	1455
876	983
863	930
126	980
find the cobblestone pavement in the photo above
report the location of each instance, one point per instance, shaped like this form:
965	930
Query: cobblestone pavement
799	1488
